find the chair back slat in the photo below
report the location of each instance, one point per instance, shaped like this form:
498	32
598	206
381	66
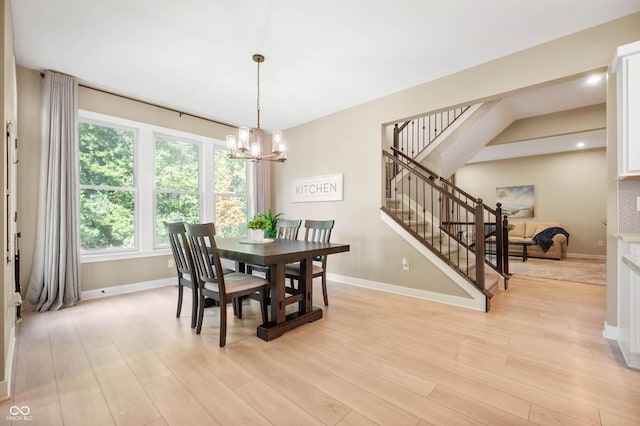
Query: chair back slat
318	231
180	247
205	254
288	229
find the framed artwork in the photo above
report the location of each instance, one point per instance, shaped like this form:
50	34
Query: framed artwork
517	201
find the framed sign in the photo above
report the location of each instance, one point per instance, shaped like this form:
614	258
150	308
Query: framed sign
318	188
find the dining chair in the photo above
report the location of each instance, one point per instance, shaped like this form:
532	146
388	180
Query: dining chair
316	231
213	283
286	229
184	266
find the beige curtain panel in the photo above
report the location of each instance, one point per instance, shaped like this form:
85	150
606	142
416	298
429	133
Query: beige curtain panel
54	281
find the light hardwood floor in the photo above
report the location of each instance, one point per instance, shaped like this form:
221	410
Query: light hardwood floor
375	358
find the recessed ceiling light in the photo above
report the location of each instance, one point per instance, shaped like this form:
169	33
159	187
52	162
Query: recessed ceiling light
580	144
594	79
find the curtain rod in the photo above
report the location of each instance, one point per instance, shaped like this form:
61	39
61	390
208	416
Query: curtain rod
181	113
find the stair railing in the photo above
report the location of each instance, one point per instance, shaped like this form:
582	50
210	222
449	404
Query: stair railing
413	194
452	218
411	137
495	231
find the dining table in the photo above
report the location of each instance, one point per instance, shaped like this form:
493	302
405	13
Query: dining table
275	254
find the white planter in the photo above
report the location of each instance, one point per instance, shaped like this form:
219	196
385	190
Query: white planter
256	235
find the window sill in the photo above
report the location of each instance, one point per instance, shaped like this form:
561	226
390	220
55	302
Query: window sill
109	257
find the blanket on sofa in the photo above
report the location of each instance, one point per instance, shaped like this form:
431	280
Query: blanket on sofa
544	238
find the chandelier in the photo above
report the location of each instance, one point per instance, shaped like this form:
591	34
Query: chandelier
248	143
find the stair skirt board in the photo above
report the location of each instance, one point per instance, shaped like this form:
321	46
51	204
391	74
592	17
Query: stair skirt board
476	301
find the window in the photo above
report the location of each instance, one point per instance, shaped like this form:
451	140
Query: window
176	184
107	187
135	176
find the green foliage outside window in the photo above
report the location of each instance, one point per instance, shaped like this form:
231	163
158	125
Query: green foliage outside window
176	183
231	195
107	202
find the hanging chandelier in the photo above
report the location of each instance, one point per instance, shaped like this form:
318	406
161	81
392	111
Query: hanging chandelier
247	145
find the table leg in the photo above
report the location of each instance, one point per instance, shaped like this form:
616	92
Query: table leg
524	252
280	321
306	283
278	294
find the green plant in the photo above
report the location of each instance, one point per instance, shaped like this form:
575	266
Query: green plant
510	227
259	221
272	230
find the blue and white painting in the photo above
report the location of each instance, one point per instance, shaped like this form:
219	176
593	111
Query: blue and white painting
517	201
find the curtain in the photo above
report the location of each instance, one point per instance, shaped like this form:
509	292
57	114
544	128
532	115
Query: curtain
262	182
54	281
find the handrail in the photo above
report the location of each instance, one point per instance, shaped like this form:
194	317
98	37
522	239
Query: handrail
415	163
429	127
469	196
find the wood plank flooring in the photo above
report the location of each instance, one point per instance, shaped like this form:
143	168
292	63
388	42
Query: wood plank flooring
375	358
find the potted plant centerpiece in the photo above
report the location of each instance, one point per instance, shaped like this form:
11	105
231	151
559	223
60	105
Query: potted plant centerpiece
272	230
257	226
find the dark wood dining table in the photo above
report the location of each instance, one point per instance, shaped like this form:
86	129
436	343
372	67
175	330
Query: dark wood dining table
275	255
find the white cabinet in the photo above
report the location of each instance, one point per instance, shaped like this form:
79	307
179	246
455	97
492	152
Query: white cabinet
629	304
626	65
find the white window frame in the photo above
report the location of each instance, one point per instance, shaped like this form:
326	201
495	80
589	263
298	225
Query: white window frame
134	186
145	183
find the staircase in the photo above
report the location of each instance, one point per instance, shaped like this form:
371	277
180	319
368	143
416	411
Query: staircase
467	237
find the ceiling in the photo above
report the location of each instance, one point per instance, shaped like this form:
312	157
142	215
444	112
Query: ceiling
321	57
567	95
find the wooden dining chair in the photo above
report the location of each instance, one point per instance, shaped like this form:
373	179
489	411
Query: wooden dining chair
317	231
213	283
184	267
286	229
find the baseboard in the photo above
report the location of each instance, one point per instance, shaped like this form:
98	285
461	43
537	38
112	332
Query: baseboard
586	256
5	385
126	288
447	299
610	332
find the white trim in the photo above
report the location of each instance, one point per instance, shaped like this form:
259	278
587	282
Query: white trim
586	256
108	257
406	291
610	332
5	385
126	288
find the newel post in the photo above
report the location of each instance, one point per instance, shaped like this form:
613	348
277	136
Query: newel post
505	244
500	234
480	242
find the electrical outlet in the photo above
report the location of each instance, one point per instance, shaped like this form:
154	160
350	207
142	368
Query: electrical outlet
170	263
600	243
405	264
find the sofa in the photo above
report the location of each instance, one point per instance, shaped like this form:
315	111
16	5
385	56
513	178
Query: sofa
527	230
